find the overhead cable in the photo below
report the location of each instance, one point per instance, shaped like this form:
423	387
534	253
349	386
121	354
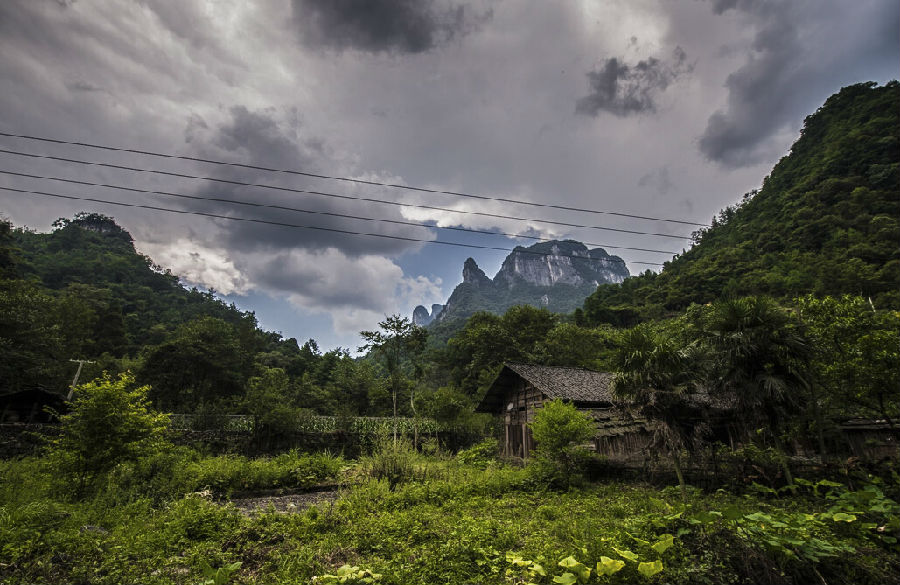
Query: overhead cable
332	195
307	227
343	179
300	210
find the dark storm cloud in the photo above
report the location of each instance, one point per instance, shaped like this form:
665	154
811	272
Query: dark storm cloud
801	52
263	138
375	26
621	89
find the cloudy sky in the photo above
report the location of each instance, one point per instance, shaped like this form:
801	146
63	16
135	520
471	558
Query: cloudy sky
669	109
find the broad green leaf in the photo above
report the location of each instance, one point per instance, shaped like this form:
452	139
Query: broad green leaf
844	517
608	566
732	513
565	579
627	554
568	562
650	569
705	517
665	543
538	569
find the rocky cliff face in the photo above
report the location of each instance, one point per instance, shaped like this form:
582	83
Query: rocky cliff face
474	275
566	262
557	275
422	317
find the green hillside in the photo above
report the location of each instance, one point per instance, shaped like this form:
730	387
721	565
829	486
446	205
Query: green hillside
81	291
826	221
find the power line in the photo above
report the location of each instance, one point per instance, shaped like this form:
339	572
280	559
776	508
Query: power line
331	195
299	210
344	179
308	227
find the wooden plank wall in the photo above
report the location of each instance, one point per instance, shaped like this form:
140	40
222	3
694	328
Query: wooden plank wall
525	400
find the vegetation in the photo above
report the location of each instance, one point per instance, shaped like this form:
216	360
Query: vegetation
451	523
560	432
826	221
783	318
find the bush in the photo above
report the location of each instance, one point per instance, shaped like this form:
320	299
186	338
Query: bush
109	422
559	430
479	455
393	461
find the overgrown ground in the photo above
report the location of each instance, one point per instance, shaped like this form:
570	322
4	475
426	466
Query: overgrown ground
448	520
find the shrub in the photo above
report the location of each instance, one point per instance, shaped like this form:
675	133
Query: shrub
559	430
109	422
480	455
393	461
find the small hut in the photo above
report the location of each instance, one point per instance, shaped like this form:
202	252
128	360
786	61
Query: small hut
520	389
872	439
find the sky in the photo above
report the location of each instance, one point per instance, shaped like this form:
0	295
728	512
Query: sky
667	109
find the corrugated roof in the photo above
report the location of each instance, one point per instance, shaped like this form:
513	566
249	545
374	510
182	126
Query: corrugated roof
581	386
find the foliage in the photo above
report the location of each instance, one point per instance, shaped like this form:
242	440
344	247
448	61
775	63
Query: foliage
109	422
398	339
559	431
455	524
660	379
394	461
349	575
481	454
857	358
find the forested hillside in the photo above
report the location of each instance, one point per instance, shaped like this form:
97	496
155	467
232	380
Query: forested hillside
826	221
81	291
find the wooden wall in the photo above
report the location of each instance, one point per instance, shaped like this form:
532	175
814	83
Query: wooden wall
519	406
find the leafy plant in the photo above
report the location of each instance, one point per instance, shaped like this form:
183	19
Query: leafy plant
349	575
559	431
219	576
109	422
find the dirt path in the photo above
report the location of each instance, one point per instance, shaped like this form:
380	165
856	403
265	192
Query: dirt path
287	504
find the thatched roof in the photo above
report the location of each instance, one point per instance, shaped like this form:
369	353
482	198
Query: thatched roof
583	387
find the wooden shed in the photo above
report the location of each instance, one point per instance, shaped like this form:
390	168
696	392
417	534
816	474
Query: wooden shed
520	389
872	439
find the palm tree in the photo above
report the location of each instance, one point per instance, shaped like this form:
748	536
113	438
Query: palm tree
760	359
660	379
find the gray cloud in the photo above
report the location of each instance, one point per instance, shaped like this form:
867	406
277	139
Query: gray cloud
279	140
658	180
402	26
621	89
800	51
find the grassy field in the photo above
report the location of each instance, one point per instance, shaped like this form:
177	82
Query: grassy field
403	518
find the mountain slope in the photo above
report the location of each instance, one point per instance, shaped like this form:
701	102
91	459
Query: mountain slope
826	221
557	275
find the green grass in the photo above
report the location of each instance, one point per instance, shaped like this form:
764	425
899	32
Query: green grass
444	522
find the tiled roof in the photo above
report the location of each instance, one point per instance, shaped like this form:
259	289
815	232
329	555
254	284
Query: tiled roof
575	384
584	387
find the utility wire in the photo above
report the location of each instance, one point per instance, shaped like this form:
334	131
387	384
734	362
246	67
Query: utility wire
332	195
300	210
344	179
300	226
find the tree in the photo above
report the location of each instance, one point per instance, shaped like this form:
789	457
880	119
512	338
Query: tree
559	430
204	361
761	357
658	375
109	422
475	353
398	338
856	359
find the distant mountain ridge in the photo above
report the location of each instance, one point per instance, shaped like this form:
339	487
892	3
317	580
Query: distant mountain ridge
557	275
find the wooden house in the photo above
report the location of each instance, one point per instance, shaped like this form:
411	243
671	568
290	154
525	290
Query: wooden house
521	389
871	439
